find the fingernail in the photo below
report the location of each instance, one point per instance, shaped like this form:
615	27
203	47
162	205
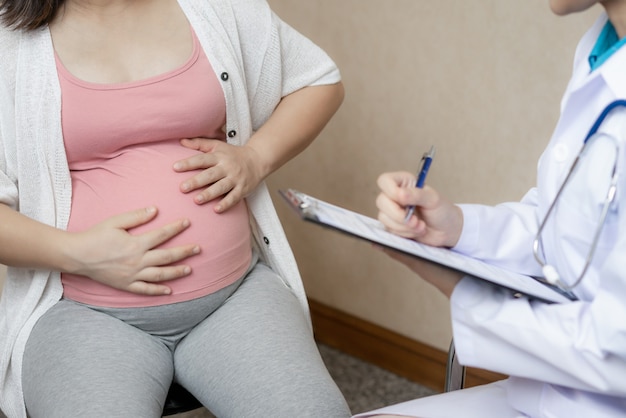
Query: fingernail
196	250
187	270
199	198
185	187
178	166
151	210
186	222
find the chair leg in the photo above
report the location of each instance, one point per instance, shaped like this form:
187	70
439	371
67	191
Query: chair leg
179	400
455	371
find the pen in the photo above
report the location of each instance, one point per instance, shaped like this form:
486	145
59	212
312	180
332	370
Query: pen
427	159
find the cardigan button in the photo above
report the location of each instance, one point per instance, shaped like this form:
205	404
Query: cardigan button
224	76
232	134
266	240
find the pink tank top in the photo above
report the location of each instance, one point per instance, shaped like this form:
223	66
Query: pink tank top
121	142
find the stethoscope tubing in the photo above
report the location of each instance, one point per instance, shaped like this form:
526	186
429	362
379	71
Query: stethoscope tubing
596	125
550	273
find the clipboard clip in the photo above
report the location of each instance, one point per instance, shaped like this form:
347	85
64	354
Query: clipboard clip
300	201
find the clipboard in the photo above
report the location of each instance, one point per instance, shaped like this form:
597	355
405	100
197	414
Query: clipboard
363	227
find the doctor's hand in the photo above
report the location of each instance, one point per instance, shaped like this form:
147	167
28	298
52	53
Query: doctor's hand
435	221
109	254
228	171
444	279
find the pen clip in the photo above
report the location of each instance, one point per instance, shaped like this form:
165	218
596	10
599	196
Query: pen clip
430	153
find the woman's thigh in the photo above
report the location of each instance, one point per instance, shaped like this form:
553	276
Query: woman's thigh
256	356
83	363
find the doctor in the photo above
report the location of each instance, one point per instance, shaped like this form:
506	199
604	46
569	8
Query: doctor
564	360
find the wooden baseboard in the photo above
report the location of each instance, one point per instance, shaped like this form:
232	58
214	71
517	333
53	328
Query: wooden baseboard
403	356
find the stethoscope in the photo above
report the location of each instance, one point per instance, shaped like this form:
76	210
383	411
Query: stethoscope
550	273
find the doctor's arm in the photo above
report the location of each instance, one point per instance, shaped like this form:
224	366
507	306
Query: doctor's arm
443	279
506	242
580	345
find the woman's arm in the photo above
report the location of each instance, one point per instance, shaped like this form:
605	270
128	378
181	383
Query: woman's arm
296	122
233	172
106	252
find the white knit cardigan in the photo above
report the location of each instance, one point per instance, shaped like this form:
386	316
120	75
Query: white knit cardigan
264	60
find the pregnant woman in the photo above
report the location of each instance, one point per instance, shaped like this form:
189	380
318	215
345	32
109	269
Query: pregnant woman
142	244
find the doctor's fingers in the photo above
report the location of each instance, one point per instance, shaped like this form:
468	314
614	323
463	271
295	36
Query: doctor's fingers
392	215
389	183
400	228
390	207
400	187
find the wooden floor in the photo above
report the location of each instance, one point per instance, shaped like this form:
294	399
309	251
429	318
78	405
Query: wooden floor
391	351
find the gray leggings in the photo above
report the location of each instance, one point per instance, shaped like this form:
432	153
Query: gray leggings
245	351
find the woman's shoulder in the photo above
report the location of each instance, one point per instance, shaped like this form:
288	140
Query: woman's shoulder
246	22
9	44
9	39
240	10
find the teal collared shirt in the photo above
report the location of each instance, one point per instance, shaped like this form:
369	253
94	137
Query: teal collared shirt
607	43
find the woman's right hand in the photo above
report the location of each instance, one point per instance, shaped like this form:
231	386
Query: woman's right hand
109	254
435	221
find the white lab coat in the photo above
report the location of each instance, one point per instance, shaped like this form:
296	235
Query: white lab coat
565	360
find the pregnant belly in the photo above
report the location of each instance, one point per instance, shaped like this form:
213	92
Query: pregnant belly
142	176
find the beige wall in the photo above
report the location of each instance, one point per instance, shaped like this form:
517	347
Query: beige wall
481	80
483	84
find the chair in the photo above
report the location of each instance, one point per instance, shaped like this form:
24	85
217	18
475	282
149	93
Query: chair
179	400
455	371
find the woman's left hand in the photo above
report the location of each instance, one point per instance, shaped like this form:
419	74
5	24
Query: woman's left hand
233	172
227	170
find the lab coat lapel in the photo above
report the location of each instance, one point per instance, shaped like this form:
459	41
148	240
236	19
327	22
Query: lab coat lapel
590	93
